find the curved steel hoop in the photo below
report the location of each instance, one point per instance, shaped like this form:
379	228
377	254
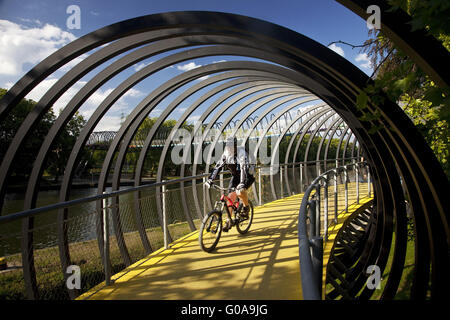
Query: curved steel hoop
397	152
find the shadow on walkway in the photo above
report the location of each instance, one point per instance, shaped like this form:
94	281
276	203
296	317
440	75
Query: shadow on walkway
262	264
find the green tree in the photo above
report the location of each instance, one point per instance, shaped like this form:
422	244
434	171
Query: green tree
23	163
153	155
60	151
63	146
396	75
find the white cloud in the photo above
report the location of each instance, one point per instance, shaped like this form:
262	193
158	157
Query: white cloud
30	42
109	123
38	92
155	112
188	66
90	104
88	107
362	57
142	65
203	78
193	118
20	45
7	85
31	21
134	93
98	96
337	49
73	62
192	65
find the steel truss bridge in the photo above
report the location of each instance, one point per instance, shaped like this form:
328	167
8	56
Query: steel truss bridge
404	180
102	139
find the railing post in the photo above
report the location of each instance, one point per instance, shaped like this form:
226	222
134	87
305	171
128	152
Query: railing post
260	186
301	177
311	263
204	196
106	258
281	182
357	182
318	168
325	197
368	182
318	209
309	283
312	217
194	186
317	259
294	186
164	210
335	194
221	182
346	187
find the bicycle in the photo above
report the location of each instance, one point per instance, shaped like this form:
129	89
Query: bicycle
213	224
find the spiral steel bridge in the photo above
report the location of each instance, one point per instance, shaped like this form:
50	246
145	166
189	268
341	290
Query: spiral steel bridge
275	74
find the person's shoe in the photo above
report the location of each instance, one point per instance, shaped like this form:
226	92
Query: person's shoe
227	226
245	211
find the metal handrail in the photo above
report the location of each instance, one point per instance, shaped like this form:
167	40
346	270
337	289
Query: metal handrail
315	161
311	262
105	213
70	203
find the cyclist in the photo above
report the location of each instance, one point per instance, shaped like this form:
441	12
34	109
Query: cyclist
236	159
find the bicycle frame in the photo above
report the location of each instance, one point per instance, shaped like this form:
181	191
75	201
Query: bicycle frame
216	217
227	202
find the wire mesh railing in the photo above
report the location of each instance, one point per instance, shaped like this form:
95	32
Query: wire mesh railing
58	251
327	196
62	250
44	258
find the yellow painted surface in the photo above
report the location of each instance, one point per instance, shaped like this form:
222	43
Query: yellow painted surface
263	264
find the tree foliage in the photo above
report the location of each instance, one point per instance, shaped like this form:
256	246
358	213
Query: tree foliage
153	155
402	81
60	150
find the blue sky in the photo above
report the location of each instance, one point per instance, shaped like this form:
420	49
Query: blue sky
31	30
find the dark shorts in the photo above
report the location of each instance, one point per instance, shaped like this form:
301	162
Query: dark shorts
235	180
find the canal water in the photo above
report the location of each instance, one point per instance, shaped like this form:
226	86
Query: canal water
82	218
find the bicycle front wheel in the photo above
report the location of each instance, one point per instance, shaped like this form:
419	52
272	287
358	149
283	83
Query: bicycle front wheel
210	231
244	224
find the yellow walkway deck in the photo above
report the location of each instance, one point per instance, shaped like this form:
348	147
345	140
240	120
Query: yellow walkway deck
262	264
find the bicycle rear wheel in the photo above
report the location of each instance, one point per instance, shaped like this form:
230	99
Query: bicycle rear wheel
244	224
210	231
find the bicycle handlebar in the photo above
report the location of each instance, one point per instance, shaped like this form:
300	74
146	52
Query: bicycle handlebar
223	189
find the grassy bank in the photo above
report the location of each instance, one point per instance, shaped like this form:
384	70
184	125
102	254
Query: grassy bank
404	288
86	255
